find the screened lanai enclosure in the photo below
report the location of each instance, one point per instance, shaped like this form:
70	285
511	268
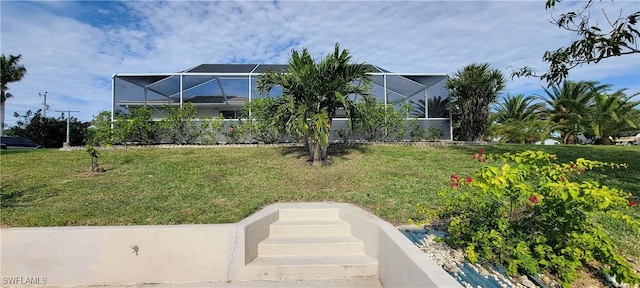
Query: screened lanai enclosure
223	89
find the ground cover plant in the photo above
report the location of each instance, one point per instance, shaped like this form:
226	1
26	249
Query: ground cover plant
226	184
529	212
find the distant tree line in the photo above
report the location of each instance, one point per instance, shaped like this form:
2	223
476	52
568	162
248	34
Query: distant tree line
50	132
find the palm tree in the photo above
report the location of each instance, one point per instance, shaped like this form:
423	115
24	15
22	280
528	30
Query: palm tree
568	107
11	72
312	92
612	114
519	107
517	120
472	90
437	108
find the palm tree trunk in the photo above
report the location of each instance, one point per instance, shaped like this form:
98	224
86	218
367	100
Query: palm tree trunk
2	107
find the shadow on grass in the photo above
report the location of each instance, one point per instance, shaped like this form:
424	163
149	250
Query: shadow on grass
337	151
10	198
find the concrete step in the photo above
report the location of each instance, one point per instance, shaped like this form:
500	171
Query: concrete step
309	227
315	245
302	214
314	267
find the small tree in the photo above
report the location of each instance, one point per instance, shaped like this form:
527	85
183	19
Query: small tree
313	92
100	132
94	154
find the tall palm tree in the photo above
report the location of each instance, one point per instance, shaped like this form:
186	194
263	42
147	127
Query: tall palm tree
11	72
517	120
471	91
312	92
568	107
611	114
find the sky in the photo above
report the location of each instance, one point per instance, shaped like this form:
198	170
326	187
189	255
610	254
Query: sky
71	49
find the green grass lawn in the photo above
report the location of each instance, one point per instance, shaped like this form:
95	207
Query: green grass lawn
226	184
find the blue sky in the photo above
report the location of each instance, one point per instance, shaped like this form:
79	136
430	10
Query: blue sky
71	49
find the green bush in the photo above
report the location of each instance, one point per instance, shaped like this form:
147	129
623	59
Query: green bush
378	122
262	125
100	132
530	214
135	126
180	126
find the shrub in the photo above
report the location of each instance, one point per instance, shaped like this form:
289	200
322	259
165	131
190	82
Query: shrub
378	122
180	125
262	126
434	134
529	213
136	126
100	132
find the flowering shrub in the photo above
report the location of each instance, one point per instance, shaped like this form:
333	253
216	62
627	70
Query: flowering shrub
525	212
233	134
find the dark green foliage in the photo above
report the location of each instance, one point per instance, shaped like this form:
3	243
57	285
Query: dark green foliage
48	131
472	90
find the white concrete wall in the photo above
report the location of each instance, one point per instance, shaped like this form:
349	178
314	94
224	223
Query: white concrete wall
72	256
105	255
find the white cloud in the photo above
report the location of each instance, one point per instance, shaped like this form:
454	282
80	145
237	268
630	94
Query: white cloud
73	57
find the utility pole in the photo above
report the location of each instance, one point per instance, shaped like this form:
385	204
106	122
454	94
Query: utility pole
68	123
44	105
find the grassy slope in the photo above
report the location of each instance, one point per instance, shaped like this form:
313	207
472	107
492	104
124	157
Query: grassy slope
223	184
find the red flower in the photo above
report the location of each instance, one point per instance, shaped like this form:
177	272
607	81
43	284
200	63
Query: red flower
633	203
572	165
469	180
454	181
230	129
533	199
479	156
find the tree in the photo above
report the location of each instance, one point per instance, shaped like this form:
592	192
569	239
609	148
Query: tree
594	43
517	120
11	72
48	131
612	114
437	108
472	90
100	132
312	92
568	107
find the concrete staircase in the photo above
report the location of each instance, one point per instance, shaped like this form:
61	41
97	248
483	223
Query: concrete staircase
312	244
